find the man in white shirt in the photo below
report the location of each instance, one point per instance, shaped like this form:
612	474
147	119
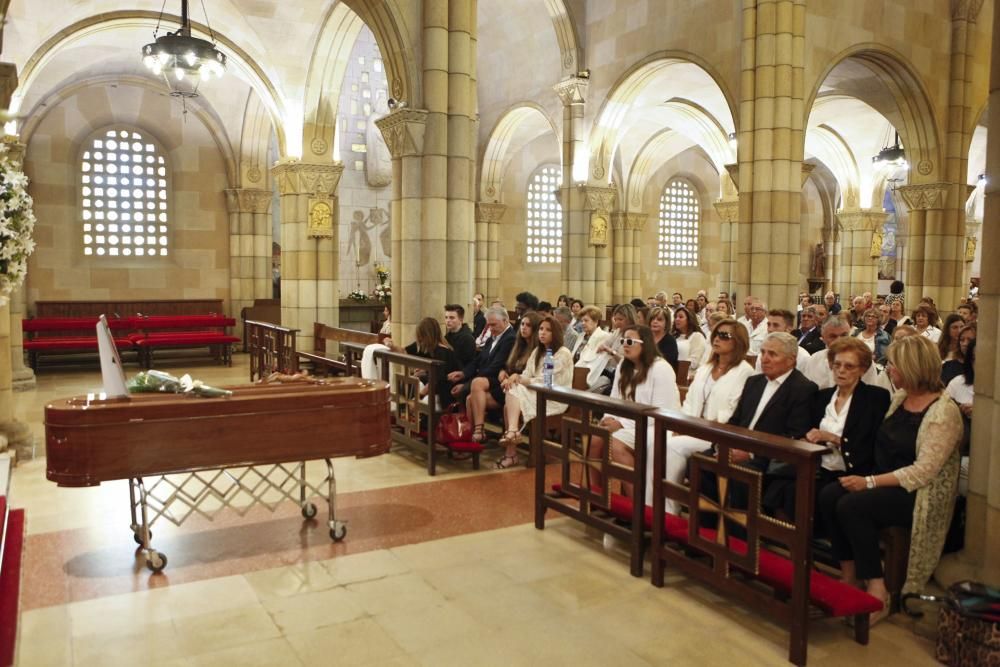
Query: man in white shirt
757	325
781	320
744	319
818	369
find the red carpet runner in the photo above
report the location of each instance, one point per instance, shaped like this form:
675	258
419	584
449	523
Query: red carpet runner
10	583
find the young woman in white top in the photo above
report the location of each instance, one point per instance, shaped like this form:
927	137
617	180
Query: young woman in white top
643	376
690	339
519	406
713	394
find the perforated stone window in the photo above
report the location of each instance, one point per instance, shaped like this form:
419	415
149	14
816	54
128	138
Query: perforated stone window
680	217
123	187
545	228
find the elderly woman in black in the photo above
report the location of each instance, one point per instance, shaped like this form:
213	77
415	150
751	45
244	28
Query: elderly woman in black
913	482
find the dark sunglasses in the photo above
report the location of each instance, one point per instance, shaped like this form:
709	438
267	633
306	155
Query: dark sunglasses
724	335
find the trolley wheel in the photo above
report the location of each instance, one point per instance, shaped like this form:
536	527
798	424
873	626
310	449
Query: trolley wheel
308	511
338	532
137	536
156	561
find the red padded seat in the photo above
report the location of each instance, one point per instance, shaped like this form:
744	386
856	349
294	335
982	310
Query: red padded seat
71	343
181	321
167	339
473	447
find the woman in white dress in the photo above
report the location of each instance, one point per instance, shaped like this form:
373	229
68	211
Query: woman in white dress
643	376
713	395
519	407
690	339
592	336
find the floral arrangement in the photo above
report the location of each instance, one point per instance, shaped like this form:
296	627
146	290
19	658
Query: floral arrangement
358	295
382	292
16	224
158	381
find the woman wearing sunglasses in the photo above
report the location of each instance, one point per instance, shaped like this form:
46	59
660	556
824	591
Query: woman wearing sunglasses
713	394
643	376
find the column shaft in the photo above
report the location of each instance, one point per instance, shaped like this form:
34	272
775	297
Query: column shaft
859	270
461	151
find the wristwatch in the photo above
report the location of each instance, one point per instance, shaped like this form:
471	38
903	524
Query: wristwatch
870	482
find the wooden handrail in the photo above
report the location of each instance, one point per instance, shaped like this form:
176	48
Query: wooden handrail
271	349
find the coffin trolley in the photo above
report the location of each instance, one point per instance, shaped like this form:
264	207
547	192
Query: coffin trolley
184	454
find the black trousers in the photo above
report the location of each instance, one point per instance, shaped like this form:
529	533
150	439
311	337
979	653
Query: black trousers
779	494
853	521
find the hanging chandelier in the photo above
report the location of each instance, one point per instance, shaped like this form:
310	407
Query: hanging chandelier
178	56
894	155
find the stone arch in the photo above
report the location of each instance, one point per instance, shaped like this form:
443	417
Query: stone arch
709	112
254	74
255	140
515	128
833	151
566	36
198	107
910	112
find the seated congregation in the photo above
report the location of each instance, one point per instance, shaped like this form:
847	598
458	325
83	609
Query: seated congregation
889	397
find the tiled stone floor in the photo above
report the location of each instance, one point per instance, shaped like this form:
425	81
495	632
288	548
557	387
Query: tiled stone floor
434	571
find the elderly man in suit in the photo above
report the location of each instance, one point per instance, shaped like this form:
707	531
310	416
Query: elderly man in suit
483	371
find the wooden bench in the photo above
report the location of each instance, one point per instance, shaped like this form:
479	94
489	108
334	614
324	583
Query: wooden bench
262	310
271	348
321	361
415	421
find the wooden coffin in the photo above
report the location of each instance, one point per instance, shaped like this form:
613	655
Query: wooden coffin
91	440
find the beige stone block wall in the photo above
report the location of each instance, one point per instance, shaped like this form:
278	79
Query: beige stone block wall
198	264
693	165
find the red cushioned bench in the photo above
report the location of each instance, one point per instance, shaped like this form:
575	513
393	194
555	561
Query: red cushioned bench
70	335
183	331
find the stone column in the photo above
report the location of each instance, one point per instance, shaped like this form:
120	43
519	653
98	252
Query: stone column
461	150
590	209
925	226
771	144
578	260
488	218
404	135
22	377
627	278
433	239
249	248
309	266
858	269
729	215
978	560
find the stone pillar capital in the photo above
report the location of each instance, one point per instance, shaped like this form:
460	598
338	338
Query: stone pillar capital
490	213
572	90
807	170
598	199
728	210
734	174
248	200
926	196
965	10
630	221
15	149
861	220
403	131
299	178
8	80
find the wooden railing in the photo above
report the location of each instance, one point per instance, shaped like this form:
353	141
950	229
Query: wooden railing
271	348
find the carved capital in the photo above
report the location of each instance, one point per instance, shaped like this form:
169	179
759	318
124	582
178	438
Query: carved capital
807	170
403	131
965	10
572	90
924	197
630	221
734	174
15	150
728	210
248	200
297	178
598	199
490	213
861	220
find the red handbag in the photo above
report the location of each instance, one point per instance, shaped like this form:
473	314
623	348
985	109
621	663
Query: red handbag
453	426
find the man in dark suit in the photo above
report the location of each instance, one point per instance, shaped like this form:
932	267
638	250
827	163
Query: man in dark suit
491	359
808	335
777	401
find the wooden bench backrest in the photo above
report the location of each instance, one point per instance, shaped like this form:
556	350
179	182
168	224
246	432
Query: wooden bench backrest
323	333
271	348
683	370
127	308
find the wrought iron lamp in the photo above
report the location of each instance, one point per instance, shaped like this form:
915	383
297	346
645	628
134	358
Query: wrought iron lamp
178	56
894	155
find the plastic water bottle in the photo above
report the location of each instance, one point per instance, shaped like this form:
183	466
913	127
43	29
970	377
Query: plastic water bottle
548	367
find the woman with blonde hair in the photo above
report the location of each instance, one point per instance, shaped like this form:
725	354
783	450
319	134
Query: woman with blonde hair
913	481
519	408
659	324
713	394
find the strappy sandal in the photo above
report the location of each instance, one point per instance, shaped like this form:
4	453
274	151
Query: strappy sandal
506	461
509	438
479	433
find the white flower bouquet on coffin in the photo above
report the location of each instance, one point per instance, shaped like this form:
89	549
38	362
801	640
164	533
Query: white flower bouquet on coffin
16	225
158	381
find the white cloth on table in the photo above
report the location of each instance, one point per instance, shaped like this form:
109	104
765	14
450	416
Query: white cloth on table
562	376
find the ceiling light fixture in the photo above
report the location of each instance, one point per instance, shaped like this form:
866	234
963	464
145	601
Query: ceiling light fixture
178	56
892	156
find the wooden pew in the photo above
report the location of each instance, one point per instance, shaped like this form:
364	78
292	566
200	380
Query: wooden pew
271	348
322	361
262	310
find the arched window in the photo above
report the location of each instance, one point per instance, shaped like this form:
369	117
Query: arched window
680	217
544	216
123	187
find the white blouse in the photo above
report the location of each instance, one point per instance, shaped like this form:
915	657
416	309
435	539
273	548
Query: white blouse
834	422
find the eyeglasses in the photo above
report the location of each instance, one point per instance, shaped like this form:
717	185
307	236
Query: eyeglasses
724	335
629	342
843	365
